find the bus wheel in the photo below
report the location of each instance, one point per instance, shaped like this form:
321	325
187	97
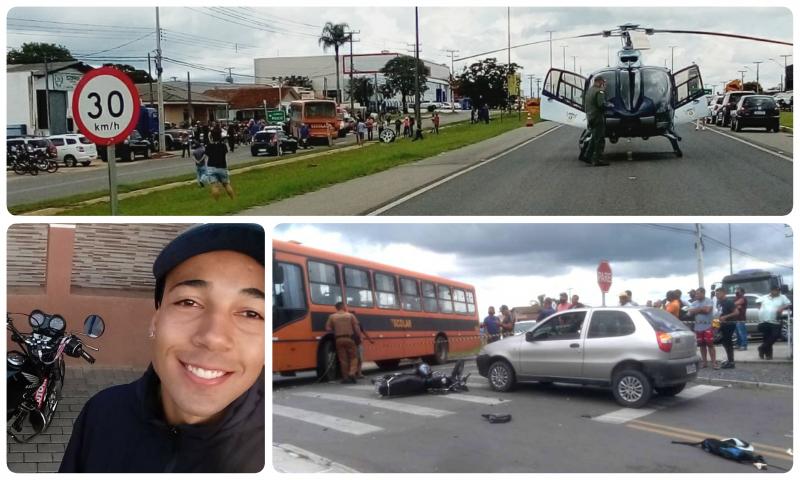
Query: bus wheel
387	364
440	351
327	364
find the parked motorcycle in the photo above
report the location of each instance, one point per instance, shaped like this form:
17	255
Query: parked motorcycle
22	160
422	380
35	374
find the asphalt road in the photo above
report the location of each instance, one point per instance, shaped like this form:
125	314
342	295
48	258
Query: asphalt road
557	428
71	181
717	175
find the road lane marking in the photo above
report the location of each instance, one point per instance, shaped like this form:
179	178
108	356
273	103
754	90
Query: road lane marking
378	403
688	435
695	433
450	396
623	415
697	391
452	176
757	147
323	420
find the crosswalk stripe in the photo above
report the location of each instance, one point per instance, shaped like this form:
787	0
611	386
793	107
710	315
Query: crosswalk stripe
452	396
697	391
323	420
378	403
625	415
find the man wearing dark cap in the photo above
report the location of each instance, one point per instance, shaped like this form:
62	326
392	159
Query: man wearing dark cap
594	104
199	407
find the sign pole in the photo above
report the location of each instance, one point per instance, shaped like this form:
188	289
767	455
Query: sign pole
604	299
112	178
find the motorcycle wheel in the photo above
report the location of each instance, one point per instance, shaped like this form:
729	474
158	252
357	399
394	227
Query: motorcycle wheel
52	166
33	169
20	168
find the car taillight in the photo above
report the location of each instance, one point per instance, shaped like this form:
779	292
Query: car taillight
664	341
81	149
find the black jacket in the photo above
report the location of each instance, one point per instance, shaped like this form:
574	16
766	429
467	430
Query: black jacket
122	429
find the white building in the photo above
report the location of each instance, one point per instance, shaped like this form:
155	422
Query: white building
26	93
321	70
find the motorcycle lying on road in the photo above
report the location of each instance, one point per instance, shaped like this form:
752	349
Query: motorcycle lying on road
35	374
422	380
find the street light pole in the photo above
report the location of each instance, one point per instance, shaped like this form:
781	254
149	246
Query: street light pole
672	54
564	51
742	72
574	59
159	85
551	47
417	113
758	85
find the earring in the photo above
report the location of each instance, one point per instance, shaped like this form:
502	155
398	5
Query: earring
152	334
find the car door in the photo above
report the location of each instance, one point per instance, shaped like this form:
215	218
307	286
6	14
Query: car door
607	343
553	348
562	98
690	99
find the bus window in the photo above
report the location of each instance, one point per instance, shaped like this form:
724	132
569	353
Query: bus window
459	300
359	292
325	289
409	295
445	299
470	302
288	298
387	290
429	297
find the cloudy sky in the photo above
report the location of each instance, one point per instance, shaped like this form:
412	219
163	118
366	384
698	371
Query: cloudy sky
514	263
215	38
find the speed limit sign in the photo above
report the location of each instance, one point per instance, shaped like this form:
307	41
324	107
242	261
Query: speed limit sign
105	105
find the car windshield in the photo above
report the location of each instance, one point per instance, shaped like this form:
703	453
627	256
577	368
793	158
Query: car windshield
520	327
663	321
763	102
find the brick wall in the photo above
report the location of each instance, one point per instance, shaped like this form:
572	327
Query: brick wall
27	255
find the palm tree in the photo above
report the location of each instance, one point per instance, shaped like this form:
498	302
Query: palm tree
334	35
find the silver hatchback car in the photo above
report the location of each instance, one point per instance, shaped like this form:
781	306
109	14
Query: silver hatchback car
634	350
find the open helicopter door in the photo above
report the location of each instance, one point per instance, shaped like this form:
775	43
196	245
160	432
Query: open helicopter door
690	100
562	100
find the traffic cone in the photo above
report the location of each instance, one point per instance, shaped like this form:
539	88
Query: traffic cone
530	120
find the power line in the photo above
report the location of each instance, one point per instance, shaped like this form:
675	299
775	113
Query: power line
120	46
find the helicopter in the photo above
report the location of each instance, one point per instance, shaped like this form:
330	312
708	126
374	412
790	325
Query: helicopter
642	100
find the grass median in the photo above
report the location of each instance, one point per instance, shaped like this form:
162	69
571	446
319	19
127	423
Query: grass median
263	186
786	119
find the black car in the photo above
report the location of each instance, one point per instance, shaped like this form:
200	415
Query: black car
272	142
729	103
127	151
756	111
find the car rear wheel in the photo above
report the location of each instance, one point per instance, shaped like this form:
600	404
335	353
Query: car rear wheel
70	161
501	376
670	391
632	388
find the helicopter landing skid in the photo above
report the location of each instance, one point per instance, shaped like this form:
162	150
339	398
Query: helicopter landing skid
674	139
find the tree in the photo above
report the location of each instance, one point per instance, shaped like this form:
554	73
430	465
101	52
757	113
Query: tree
485	82
137	76
361	89
334	35
35	52
298	81
752	86
399	73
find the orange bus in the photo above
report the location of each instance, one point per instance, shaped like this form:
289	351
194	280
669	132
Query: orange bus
407	314
319	115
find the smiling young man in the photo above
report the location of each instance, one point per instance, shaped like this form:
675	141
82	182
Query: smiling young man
200	405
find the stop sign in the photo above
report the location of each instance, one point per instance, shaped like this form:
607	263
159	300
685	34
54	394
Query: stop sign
604	276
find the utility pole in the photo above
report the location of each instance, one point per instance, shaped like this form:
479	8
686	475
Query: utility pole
159	70
150	78
698	245
551	47
742	72
452	77
508	15
350	37
189	93
537	87
758	85
564	51
47	95
574	59
417	113
730	247
783	83
672	54
608	54
531	77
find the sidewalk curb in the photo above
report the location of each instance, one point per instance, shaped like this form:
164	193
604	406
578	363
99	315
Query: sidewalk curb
309	462
787	129
742	383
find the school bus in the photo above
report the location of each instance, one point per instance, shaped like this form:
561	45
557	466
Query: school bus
319	115
407	314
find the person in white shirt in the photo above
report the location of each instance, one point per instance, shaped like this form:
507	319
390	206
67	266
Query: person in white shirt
769	320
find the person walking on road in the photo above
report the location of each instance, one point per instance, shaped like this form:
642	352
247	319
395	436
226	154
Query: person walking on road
344	326
769	323
728	313
594	104
435	121
232	134
304	134
361	131
184	139
406	124
741	322
492	325
357	339
398	124
200	159
370	124
702	310
216	173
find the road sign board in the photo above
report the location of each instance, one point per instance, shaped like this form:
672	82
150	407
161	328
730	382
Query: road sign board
604	276
276	116
105	105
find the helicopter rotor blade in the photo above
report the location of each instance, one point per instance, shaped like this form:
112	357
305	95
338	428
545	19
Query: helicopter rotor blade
539	42
728	35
